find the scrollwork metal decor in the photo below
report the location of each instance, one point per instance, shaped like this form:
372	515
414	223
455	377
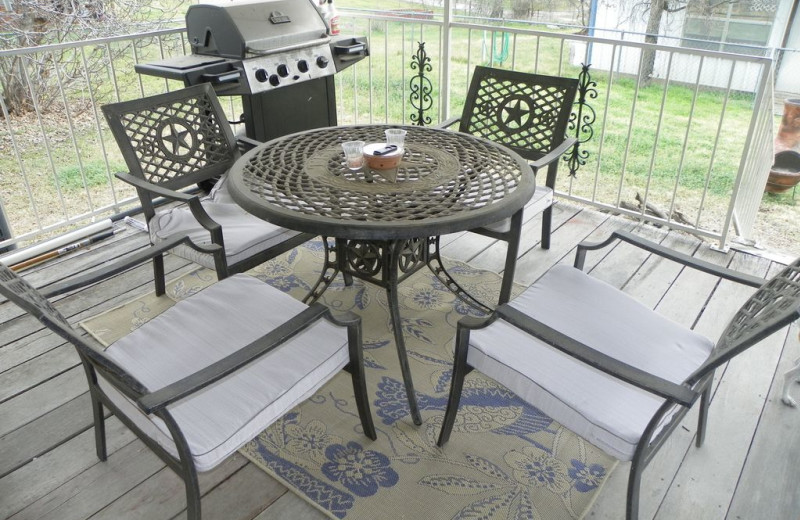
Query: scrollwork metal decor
421	86
582	118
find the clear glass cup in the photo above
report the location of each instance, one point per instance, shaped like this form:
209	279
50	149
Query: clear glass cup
353	154
396	136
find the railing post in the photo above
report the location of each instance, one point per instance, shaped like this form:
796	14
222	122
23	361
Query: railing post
5	231
444	80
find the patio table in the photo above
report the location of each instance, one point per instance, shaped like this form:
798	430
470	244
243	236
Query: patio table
386	224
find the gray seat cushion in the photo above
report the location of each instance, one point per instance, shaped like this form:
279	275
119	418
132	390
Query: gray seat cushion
608	413
201	330
245	235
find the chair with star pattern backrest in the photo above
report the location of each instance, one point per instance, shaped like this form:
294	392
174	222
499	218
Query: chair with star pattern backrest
172	141
529	114
211	372
607	367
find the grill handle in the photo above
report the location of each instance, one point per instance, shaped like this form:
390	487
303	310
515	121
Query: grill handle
229	76
355	47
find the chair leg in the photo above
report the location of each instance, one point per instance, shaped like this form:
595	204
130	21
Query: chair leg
186	469
99	428
547	221
356	369
460	369
362	398
192	495
634	483
702	420
158	275
511	258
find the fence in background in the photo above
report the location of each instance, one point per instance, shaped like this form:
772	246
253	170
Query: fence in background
668	146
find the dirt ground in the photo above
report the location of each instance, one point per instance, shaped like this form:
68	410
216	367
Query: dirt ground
777	227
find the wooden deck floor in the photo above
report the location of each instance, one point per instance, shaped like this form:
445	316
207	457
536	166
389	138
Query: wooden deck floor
748	468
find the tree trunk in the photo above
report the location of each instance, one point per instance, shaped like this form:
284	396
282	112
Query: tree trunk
496	9
648	62
16	89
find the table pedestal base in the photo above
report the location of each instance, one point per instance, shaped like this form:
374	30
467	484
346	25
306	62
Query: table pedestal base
386	263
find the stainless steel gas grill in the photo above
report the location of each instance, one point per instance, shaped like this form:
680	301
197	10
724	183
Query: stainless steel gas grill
276	54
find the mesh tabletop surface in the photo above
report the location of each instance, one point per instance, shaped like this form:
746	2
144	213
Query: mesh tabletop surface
446	181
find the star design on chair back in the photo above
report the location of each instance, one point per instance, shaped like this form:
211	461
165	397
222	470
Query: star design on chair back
516	114
177	137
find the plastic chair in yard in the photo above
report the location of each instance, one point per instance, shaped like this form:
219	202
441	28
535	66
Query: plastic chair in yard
210	373
529	114
605	366
172	141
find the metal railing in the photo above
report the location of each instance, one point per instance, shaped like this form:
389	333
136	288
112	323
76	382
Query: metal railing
678	140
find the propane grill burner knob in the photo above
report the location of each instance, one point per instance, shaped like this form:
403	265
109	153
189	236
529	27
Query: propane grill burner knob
283	70
274	80
262	75
302	66
322	62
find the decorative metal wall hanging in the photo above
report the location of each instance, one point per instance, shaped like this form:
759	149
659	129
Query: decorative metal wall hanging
582	118
421	86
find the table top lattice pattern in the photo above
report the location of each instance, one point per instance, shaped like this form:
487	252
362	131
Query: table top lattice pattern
442	176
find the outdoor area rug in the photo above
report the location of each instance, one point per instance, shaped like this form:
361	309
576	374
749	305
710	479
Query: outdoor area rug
505	459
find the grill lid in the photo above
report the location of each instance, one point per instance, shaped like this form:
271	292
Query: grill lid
247	28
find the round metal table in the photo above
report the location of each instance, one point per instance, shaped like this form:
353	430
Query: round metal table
386	223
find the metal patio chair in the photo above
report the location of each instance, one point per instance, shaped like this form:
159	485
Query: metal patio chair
172	141
210	373
606	367
528	113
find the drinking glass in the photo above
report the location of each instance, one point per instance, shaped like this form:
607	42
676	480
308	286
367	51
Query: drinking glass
353	154
395	136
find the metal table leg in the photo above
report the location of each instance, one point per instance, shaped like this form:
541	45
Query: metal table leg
330	269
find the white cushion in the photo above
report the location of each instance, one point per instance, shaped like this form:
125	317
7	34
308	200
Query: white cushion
541	200
204	328
608	413
244	234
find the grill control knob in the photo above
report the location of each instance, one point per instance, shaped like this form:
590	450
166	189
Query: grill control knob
283	70
274	80
262	75
322	62
302	66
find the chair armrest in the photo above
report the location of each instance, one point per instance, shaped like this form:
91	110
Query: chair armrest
680	394
193	201
163	397
553	154
126	263
449	122
665	252
154	188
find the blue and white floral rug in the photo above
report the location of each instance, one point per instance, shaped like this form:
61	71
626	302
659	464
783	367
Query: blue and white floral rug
505	459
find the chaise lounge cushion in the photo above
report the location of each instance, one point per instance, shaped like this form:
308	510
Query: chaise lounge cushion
608	413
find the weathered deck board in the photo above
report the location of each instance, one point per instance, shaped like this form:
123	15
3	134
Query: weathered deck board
748	467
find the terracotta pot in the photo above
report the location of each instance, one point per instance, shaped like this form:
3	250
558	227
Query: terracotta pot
785	173
788	137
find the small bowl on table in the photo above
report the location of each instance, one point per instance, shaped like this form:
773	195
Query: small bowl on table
384	159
